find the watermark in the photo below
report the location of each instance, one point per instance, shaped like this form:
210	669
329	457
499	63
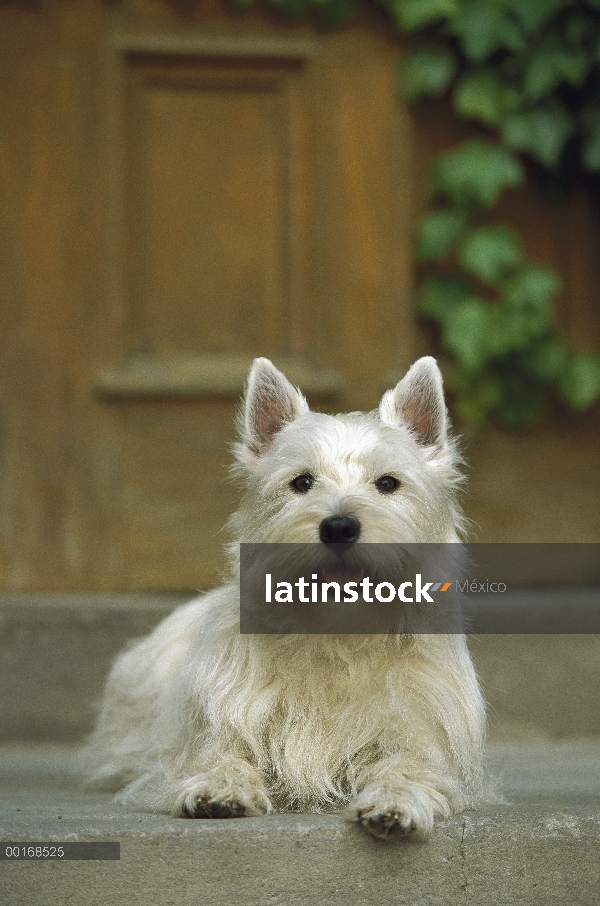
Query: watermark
59	852
384	592
419	588
474	587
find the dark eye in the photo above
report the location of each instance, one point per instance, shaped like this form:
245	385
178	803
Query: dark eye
302	483
387	484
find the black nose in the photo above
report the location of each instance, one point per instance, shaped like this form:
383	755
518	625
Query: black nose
339	530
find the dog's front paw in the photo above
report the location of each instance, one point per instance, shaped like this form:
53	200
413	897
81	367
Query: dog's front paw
387	814
387	824
211	797
203	807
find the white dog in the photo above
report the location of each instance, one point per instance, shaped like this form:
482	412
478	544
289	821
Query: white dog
199	720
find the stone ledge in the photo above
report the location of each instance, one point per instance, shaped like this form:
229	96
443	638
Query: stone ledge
540	849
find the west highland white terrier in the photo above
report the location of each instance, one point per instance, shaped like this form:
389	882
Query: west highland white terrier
200	720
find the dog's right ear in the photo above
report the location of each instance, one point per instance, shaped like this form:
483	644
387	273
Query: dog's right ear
270	403
417	402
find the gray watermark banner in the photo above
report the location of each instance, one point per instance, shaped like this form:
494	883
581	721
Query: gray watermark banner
419	588
60	852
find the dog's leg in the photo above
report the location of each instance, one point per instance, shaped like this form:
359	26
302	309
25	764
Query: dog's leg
233	789
397	799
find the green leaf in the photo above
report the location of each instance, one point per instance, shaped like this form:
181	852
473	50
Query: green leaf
483	28
490	253
427	71
466	333
479	395
533	14
440	296
580	383
507	333
439	232
578	25
336	12
485	96
532	288
541	132
475	173
525	325
413	14
590	150
547	358
550	66
528	295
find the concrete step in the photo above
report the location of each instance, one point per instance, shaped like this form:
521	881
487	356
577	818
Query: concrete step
55	652
542	847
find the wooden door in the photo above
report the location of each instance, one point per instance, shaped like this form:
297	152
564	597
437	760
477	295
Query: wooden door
181	196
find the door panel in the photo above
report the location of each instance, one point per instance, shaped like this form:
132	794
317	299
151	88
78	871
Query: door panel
207	171
203	143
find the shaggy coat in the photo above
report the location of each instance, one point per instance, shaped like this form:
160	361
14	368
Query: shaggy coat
202	721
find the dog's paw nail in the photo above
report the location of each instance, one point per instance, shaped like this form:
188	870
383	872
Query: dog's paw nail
386	825
208	808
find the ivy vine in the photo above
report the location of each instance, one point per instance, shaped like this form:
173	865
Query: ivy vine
529	72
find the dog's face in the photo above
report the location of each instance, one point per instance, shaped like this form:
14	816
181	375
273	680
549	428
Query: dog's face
385	476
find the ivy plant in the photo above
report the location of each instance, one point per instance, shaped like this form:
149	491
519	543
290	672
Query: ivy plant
528	71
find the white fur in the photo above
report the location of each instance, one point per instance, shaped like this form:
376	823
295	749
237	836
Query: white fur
198	719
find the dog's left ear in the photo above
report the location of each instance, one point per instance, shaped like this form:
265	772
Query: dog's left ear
417	403
271	402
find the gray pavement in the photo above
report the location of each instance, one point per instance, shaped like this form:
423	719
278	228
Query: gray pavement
541	847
